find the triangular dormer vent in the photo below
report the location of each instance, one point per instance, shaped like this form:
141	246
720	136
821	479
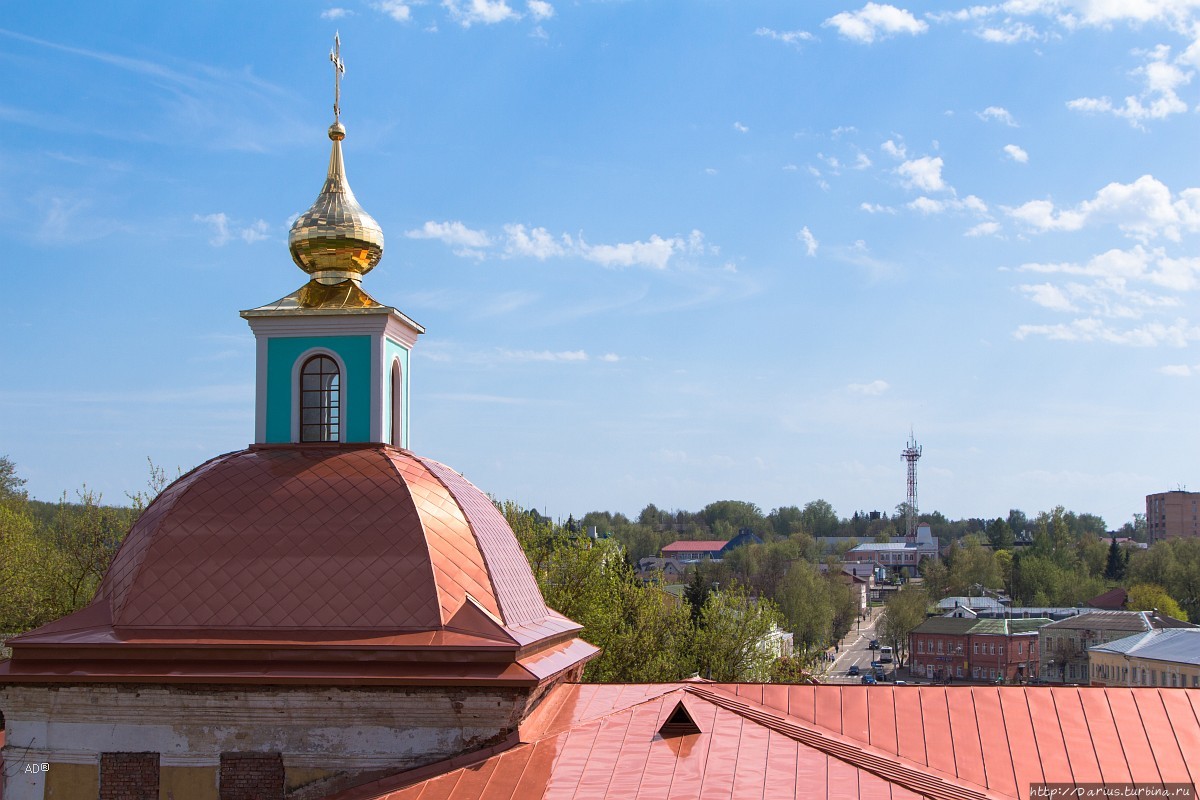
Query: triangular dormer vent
679	723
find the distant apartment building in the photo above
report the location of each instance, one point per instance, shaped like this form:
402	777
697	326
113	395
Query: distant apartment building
897	557
1065	644
1166	657
975	649
1172	514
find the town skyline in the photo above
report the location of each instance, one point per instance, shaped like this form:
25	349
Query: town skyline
664	254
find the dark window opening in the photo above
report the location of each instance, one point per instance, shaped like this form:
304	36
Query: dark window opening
320	400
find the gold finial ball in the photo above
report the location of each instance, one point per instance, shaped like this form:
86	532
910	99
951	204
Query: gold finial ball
337	131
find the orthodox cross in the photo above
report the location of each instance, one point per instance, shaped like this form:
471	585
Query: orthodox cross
339	69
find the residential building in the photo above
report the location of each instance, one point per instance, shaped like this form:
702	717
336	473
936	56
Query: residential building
696	550
1064	644
1172	514
1166	657
976	604
967	648
897	557
700	549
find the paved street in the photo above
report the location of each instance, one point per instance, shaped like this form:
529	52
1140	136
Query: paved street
854	650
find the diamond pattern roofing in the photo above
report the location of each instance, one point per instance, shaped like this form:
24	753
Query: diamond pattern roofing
360	553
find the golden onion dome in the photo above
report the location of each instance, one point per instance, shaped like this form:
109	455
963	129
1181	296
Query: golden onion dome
336	240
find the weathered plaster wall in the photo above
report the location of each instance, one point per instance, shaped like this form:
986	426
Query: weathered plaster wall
319	732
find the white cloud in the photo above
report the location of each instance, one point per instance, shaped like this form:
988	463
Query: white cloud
540	9
336	13
1159	97
224	229
740	128
973	203
1016	153
255	232
923	173
787	37
610	358
927	206
220	227
810	242
997	113
1009	33
984	229
562	356
875	208
875	21
455	234
874	388
396	9
897	151
1117	268
1143	209
1089	329
488	12
1178	370
655	253
520	241
1049	296
862	161
538	243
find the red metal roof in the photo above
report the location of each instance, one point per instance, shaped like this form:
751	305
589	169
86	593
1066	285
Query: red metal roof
602	741
696	546
347	538
312	553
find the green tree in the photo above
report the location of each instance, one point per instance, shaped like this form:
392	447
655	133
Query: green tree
27	564
819	518
807	608
734	639
1114	568
999	535
904	610
12	485
1149	596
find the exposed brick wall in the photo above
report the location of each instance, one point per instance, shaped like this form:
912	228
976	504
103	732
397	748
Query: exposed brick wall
251	776
129	776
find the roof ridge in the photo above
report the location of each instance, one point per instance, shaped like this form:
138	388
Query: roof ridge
927	781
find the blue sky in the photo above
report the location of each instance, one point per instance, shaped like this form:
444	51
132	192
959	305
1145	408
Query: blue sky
668	252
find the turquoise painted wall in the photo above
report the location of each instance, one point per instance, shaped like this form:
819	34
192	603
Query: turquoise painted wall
355	352
393	350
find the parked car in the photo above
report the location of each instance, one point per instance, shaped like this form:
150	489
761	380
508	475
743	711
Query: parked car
869	680
853	670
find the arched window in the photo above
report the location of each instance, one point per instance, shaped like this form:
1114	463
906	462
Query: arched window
320	400
397	406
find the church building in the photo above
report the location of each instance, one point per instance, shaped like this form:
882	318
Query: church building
327	614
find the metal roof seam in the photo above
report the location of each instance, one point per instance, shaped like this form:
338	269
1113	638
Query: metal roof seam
390	459
1012	764
1124	753
886	765
1174	735
510	607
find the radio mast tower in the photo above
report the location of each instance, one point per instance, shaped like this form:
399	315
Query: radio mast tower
911	454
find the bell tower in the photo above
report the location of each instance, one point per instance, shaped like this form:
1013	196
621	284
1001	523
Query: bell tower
333	363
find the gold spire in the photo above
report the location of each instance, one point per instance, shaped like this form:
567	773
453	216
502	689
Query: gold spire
336	240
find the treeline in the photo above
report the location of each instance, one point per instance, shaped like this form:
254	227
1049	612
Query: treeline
724	631
53	555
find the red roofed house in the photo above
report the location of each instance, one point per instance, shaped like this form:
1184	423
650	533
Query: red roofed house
327	614
694	550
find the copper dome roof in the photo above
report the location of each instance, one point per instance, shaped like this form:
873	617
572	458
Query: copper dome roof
327	562
345	538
